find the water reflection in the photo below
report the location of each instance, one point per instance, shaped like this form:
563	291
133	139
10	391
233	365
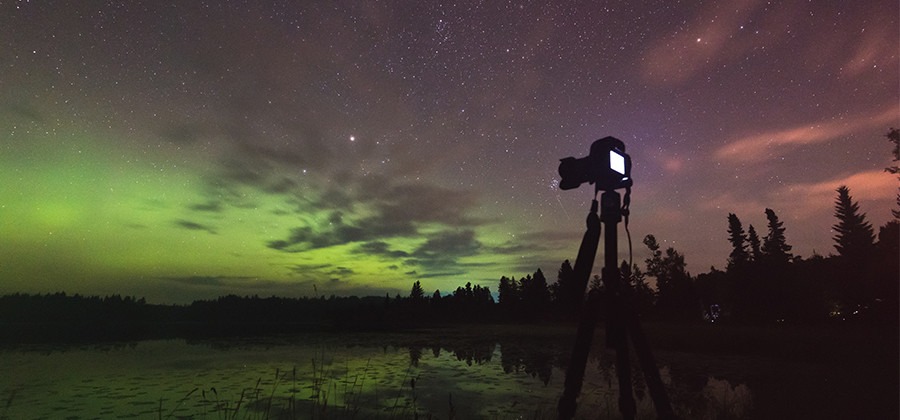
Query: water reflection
398	376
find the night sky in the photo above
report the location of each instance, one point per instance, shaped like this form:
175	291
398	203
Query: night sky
195	149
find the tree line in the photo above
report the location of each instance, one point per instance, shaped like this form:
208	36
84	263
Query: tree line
763	282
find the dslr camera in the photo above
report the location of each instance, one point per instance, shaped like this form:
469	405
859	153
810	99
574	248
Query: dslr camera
607	166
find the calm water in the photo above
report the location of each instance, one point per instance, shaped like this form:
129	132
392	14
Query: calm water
342	376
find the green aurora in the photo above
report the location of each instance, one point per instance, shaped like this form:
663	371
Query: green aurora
189	151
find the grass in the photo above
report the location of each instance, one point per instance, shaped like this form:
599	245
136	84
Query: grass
329	397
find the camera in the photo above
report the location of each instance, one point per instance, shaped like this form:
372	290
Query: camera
607	166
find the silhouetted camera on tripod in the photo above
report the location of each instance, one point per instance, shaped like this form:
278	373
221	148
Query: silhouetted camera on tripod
607	166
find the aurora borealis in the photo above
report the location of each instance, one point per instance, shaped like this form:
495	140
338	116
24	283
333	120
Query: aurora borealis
196	149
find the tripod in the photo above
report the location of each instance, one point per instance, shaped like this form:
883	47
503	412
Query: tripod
621	319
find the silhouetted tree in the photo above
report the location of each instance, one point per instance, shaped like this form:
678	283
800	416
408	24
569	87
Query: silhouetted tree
508	293
565	291
887	272
775	247
753	240
854	238
642	296
739	256
535	294
417	293
675	297
596	284
893	136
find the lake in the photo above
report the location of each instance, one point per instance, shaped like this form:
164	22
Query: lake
399	375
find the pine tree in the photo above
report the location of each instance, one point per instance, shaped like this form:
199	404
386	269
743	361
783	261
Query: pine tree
893	136
775	247
508	291
753	239
855	237
739	256
565	291
675	294
642	295
417	293
538	293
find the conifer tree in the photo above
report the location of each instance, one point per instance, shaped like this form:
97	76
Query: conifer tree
675	295
753	240
417	293
739	256
538	294
565	291
855	237
775	247
893	136
508	293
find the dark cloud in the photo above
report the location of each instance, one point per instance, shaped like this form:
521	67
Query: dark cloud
305	238
23	110
443	250
399	211
306	268
181	134
380	249
212	281
453	273
342	271
187	224
536	242
449	243
209	206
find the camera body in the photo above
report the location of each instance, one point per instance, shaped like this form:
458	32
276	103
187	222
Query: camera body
607	166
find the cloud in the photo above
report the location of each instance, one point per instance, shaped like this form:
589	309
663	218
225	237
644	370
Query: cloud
306	268
391	211
189	225
24	111
443	250
876	48
537	242
755	147
808	198
214	281
209	206
341	271
380	249
687	50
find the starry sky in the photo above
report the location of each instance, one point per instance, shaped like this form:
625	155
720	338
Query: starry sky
187	150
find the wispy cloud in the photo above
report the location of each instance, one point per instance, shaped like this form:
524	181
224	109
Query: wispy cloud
871	185
758	146
687	50
189	225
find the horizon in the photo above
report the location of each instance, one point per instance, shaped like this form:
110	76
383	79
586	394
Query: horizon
187	152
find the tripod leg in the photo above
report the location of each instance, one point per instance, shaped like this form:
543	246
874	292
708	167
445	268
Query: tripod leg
648	366
578	362
588	321
617	338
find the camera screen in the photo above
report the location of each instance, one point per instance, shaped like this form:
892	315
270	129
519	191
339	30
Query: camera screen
616	162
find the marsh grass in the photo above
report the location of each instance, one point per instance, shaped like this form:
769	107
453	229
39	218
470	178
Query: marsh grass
9	400
332	394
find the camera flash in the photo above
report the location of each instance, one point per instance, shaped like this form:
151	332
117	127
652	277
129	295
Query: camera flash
616	162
